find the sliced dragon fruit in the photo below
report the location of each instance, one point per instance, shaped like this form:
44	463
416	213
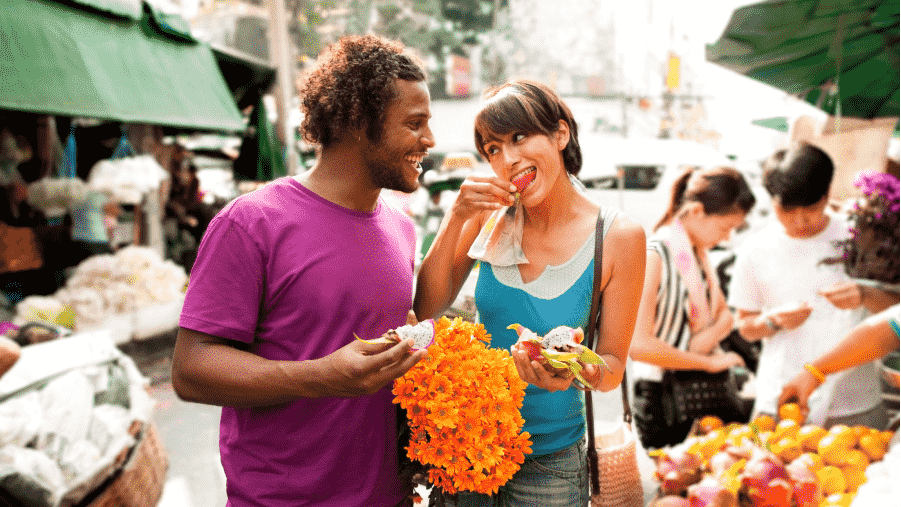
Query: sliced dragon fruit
423	335
561	347
523	181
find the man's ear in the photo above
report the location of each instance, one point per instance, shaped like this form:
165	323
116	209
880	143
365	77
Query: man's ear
562	135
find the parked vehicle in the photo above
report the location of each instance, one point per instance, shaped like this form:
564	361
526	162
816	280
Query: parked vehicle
636	175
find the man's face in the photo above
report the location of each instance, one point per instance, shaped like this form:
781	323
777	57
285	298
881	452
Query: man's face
394	160
802	222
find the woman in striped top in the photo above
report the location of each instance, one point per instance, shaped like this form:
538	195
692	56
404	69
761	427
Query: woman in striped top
683	314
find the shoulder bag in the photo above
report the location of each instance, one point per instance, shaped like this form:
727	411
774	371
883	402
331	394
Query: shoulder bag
612	461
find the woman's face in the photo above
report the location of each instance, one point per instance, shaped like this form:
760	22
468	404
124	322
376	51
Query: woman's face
516	155
706	231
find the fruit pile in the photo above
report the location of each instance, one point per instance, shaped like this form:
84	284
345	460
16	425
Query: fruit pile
768	463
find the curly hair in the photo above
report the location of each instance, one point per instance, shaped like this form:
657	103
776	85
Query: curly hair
352	84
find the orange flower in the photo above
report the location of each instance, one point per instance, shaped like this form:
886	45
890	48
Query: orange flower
463	409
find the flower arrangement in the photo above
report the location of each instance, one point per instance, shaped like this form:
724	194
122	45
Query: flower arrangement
872	251
462	406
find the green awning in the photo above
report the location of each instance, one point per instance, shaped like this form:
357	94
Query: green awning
95	58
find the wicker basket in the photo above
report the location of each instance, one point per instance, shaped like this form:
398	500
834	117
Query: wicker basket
139	483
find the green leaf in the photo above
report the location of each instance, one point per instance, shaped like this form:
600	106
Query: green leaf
590	357
559	356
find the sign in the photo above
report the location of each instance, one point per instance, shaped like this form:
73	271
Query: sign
459	76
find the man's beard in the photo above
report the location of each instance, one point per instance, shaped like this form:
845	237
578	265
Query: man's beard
386	172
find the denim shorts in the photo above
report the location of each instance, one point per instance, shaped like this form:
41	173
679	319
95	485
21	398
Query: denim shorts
559	479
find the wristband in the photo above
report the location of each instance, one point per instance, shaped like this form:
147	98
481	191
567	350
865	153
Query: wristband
817	374
770	323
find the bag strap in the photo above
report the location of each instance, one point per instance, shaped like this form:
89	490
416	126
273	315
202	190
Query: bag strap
591	338
593	323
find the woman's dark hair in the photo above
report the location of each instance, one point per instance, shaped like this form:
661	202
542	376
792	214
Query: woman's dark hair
527	107
799	177
352	85
721	190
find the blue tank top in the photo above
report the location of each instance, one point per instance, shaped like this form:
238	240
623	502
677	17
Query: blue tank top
561	296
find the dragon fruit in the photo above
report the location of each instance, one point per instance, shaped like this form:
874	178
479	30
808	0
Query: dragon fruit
561	347
523	181
422	334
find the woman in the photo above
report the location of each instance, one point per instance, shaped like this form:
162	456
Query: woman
524	129
683	314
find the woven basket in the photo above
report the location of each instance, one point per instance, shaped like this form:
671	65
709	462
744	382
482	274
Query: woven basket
139	483
618	469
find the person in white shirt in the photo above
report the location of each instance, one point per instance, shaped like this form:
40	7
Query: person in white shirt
801	307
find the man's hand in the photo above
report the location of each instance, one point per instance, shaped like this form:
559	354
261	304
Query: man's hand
843	295
539	373
360	369
790	319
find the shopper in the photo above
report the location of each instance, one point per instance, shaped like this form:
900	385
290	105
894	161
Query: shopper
785	294
543	282
683	315
287	274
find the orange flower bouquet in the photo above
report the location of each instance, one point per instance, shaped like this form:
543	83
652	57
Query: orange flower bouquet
462	405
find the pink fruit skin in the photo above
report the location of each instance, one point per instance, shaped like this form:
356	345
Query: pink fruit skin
805	485
675	472
534	349
523	181
711	493
672	501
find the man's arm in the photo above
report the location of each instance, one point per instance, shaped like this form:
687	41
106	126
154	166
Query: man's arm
211	370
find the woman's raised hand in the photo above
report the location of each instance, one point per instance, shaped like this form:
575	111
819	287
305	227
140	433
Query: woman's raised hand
481	192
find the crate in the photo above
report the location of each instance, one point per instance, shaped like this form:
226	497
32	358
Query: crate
139	482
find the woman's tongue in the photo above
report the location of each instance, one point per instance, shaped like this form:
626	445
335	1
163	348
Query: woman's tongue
521	182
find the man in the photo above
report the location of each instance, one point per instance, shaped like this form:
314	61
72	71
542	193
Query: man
287	274
786	295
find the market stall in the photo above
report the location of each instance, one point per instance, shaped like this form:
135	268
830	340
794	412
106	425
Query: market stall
77	428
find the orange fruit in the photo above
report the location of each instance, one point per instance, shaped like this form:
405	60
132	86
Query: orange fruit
853	478
812	461
856	459
764	423
787	449
860	430
844	434
709	423
872	446
831	450
886	436
786	428
791	411
832	480
838	500
809	436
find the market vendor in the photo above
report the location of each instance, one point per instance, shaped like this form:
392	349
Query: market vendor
801	307
872	255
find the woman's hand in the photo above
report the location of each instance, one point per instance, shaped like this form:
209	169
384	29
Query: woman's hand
540	374
479	193
724	361
798	390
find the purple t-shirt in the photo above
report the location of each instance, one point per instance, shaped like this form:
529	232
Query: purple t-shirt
294	275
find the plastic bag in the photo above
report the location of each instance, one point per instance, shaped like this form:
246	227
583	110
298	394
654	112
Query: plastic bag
499	243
